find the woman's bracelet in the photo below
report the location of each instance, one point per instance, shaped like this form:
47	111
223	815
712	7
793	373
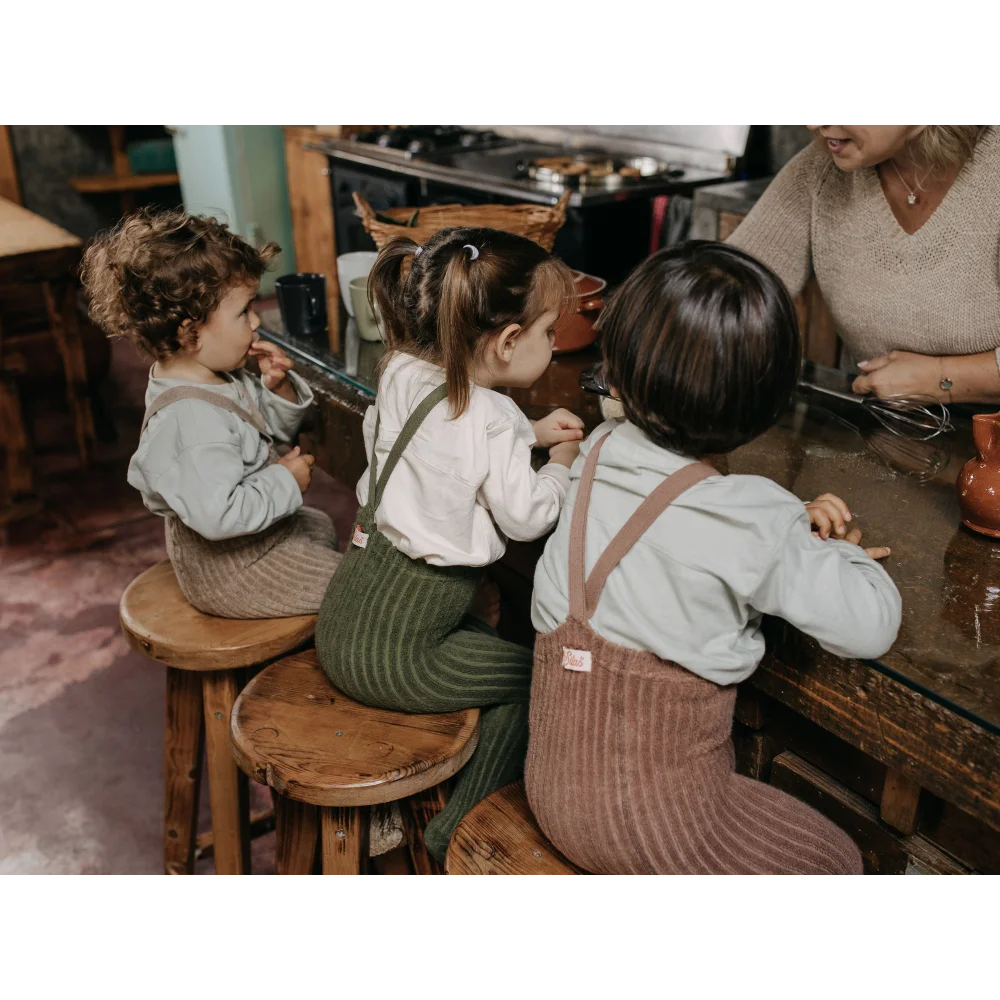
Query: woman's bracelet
946	383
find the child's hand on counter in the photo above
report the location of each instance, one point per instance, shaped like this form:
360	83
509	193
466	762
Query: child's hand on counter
564	453
274	365
300	466
829	515
875	551
559	426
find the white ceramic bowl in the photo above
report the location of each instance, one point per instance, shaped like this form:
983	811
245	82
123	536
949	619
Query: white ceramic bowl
350	266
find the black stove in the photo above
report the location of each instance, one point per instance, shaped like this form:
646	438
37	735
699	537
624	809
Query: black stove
423	140
609	223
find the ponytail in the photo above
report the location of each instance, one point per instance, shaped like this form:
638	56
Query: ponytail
457	328
386	288
444	302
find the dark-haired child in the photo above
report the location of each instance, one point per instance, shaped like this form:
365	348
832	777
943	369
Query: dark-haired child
449	481
651	591
181	288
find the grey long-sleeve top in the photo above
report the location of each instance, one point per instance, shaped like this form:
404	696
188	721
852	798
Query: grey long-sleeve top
209	467
728	551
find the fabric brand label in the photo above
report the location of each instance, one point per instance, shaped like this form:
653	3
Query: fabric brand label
360	538
576	659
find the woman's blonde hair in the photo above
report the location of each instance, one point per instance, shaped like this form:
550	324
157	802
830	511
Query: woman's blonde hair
942	147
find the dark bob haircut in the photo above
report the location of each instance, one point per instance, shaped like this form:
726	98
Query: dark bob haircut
702	344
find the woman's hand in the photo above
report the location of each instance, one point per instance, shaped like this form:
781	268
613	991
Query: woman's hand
901	373
274	365
560	425
828	513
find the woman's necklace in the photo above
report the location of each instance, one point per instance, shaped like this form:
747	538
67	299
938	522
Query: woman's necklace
911	197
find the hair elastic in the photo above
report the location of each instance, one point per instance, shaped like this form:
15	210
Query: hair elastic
475	251
418	251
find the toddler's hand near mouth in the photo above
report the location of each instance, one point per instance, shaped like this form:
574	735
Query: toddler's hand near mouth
273	362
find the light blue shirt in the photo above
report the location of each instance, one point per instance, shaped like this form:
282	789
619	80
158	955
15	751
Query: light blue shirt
728	551
210	467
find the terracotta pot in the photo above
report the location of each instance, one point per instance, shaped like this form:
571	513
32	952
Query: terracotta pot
575	330
978	483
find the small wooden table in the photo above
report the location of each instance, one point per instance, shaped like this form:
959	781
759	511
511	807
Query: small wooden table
924	718
38	258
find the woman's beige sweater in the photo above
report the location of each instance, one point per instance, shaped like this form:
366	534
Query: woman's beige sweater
935	292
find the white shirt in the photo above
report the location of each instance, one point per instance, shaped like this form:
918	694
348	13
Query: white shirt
726	552
462	486
209	466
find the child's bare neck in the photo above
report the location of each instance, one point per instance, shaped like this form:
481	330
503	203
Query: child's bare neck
186	369
487	377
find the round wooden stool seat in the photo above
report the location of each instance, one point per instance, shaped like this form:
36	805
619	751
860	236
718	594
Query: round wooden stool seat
205	659
329	758
293	730
159	623
500	837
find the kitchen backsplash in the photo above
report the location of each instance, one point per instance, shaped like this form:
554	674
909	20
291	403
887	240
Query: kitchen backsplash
725	136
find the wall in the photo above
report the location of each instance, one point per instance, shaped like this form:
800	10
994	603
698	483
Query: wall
48	156
237	174
786	141
727	136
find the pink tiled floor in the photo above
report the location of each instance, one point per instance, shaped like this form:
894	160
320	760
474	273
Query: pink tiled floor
81	715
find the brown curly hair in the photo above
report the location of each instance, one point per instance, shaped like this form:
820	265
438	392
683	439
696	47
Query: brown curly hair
156	269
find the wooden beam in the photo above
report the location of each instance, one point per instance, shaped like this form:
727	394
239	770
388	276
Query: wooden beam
312	219
884	852
104	183
9	186
900	802
946	753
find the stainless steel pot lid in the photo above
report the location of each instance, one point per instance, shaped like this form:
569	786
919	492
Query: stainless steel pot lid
589	171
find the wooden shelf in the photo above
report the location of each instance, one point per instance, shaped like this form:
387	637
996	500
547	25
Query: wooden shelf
103	183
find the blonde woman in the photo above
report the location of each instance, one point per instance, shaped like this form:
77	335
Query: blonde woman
900	224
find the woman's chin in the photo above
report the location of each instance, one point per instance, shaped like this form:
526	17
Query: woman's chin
847	161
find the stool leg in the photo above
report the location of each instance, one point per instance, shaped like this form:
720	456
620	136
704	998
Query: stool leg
296	832
184	737
344	840
228	788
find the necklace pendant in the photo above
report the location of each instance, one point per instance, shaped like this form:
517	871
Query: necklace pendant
911	199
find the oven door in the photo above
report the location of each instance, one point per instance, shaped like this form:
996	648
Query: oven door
382	189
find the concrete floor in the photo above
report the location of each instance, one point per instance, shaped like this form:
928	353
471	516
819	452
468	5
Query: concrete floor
81	715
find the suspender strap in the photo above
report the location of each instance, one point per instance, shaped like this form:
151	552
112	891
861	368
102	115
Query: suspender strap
252	416
585	595
377	483
578	535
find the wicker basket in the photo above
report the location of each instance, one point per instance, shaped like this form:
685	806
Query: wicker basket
538	222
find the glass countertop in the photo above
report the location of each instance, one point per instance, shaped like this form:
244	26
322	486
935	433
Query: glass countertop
901	494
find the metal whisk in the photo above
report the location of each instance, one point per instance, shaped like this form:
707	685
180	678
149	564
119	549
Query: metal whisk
922	460
917	417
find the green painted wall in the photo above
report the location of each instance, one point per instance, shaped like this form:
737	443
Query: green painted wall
237	174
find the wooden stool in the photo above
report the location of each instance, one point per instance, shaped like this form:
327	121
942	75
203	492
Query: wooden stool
204	657
500	837
329	758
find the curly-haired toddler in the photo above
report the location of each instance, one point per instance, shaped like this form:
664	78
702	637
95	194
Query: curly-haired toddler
181	287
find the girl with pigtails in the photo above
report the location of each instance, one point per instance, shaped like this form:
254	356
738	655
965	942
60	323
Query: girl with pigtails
408	621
